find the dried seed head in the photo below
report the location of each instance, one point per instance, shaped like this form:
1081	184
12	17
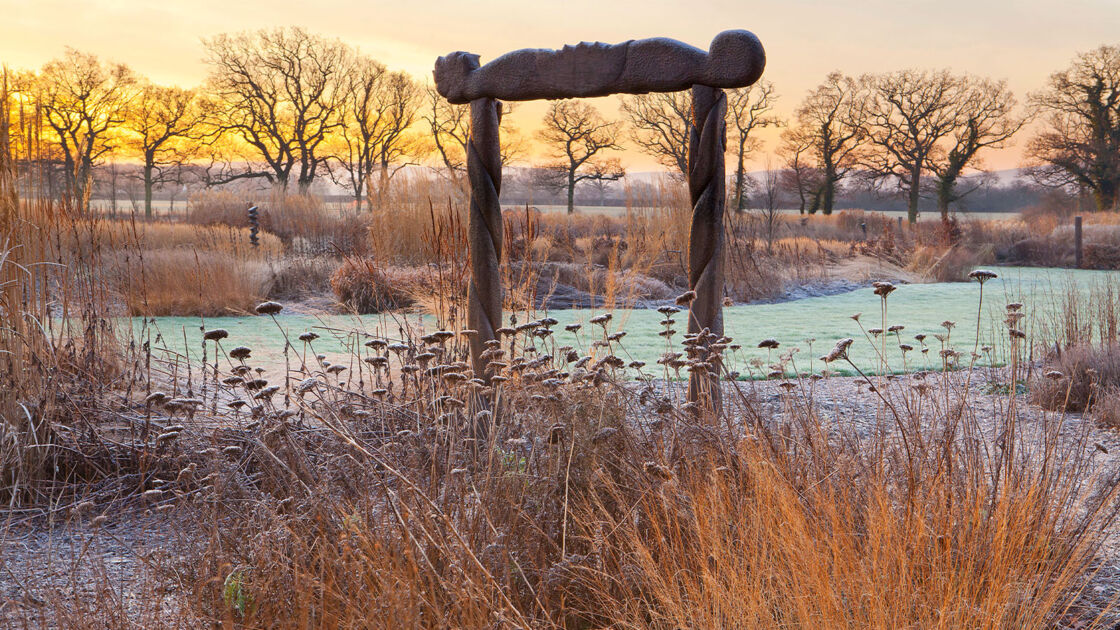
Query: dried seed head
839	351
982	275
309	336
601	319
215	335
612	361
269	308
188	402
883	289
240	353
167	437
768	344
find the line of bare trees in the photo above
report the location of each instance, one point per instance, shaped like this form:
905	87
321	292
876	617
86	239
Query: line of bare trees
918	132
288	107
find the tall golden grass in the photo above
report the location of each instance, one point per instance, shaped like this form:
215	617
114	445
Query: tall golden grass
55	345
376	488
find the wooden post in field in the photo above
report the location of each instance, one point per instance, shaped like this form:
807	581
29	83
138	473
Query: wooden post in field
484	170
1077	242
706	188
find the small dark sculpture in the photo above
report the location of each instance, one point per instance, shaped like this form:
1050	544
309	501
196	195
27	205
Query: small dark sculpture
660	64
735	59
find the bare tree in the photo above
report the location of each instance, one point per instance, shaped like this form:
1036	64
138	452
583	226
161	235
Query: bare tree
449	125
404	99
378	110
575	133
1081	144
800	176
748	109
83	101
985	120
280	93
165	125
659	125
829	128
769	201
910	113
603	173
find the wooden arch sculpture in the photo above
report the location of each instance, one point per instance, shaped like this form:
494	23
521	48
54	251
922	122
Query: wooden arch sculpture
734	59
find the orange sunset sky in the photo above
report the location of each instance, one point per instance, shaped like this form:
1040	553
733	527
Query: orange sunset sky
1022	41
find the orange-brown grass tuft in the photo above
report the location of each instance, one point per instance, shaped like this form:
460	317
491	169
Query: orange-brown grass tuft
1076	378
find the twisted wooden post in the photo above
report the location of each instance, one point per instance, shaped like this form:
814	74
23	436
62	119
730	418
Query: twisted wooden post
706	188
484	170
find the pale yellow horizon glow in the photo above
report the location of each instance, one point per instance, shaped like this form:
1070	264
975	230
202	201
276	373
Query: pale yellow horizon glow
1022	41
